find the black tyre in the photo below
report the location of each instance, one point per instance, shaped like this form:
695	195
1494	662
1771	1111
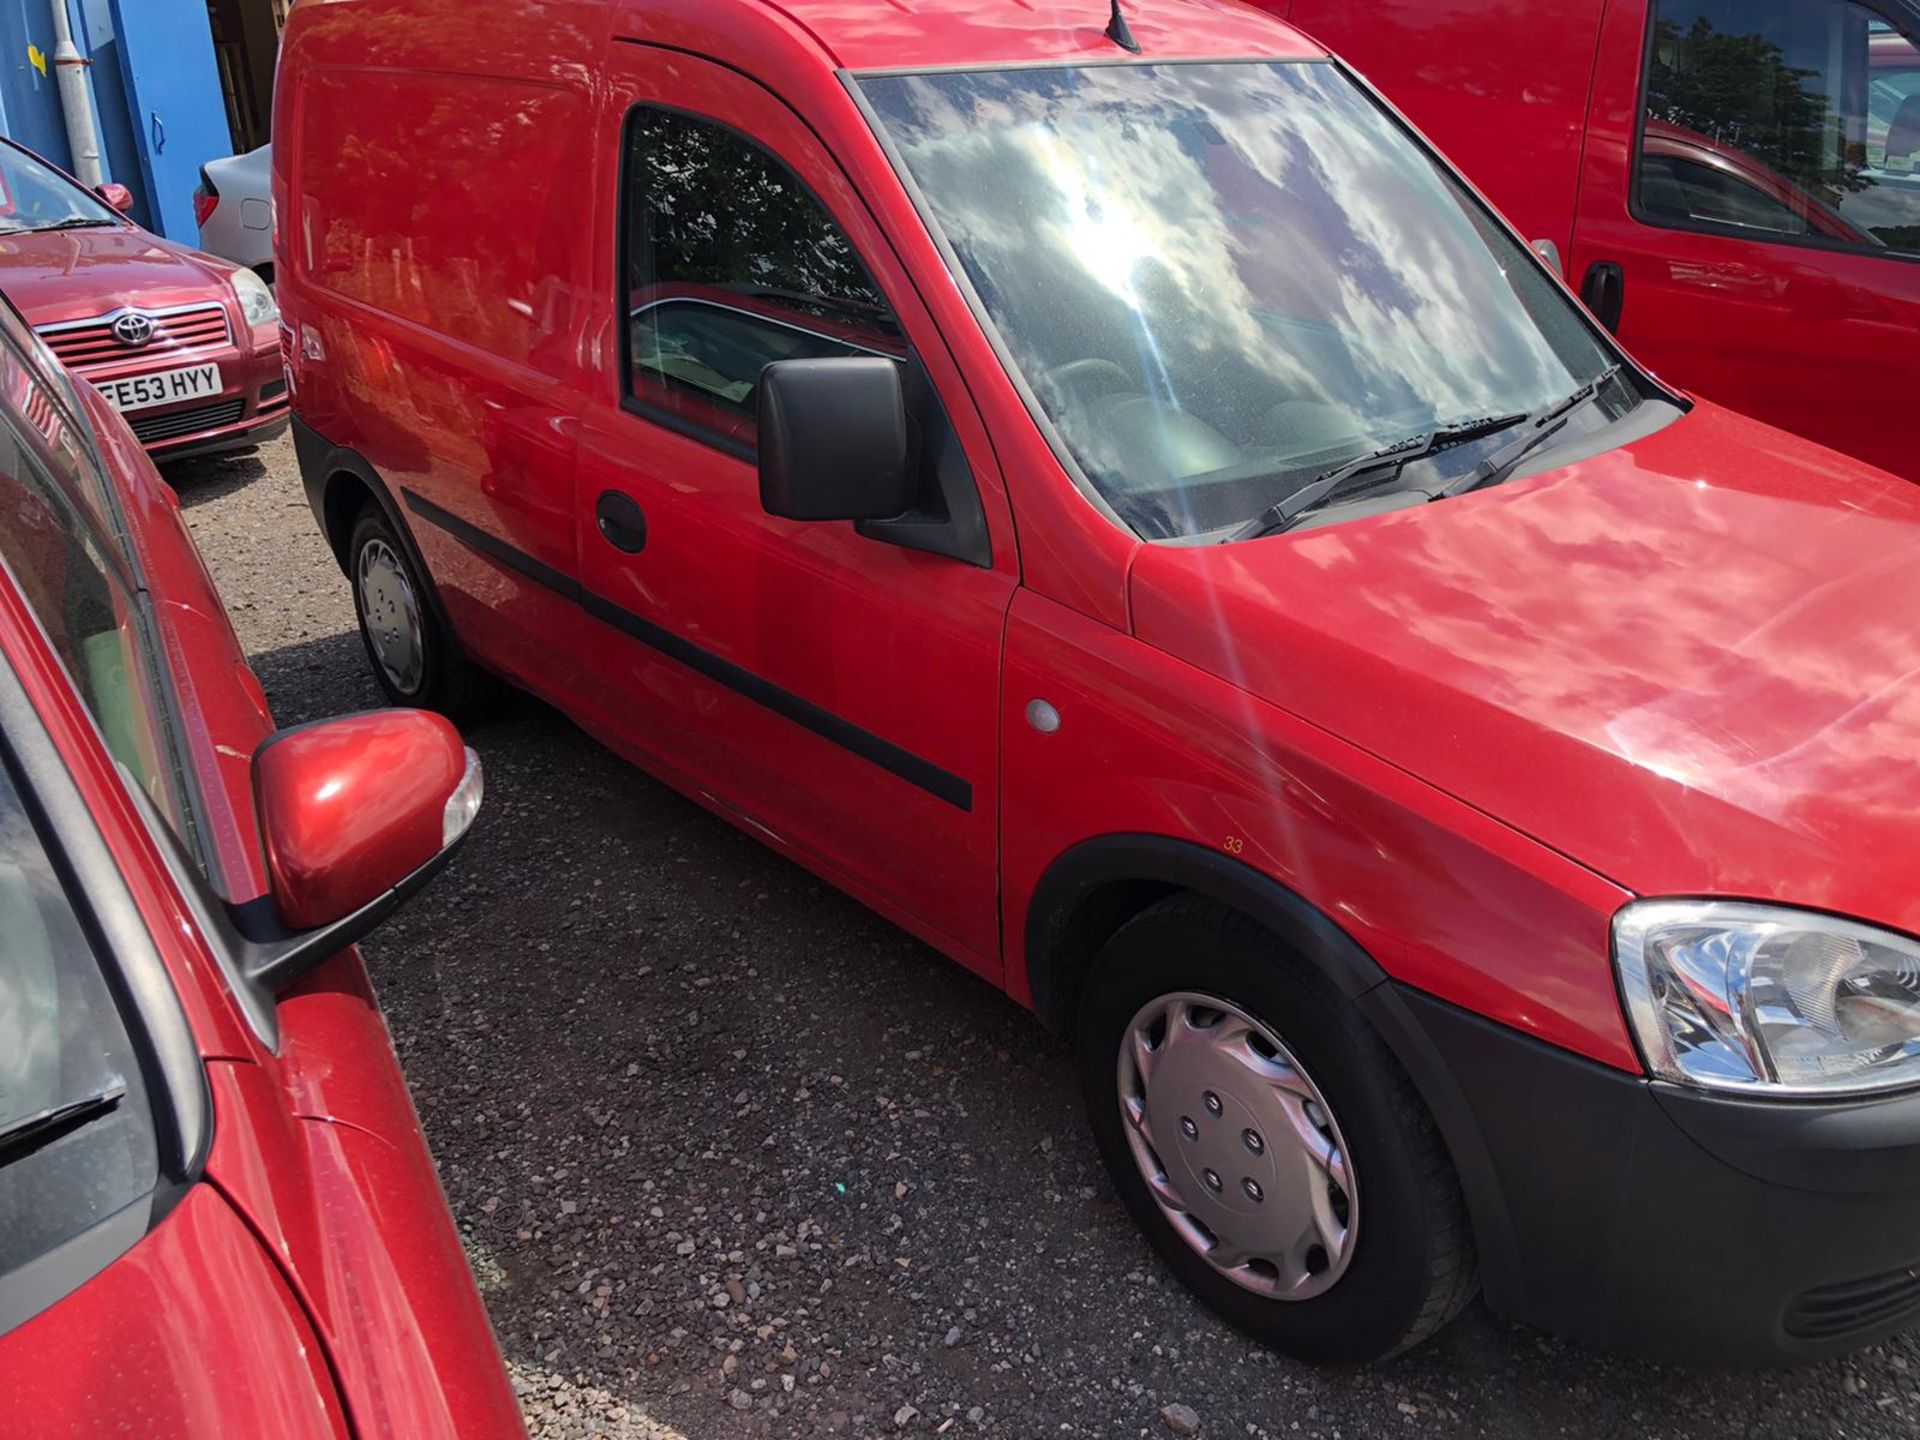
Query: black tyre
413	657
1267	1141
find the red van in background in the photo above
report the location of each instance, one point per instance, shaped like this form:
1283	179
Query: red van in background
1735	184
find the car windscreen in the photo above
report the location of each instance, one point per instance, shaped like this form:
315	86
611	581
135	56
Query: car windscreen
35	196
1219	280
76	1136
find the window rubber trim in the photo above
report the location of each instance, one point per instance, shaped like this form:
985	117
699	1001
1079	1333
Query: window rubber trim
623	251
155	657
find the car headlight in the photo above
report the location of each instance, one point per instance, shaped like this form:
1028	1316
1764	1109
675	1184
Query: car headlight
1769	1000
256	299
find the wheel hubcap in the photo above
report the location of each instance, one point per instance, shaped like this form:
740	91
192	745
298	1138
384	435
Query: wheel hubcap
1238	1146
392	616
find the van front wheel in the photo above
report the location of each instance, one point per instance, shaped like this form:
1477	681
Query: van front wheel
1267	1141
413	658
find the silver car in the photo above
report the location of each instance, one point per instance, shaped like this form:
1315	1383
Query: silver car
234	207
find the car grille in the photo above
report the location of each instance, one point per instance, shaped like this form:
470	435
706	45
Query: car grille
87	345
1832	1312
152	430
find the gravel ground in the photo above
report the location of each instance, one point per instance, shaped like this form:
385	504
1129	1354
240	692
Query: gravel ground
734	1157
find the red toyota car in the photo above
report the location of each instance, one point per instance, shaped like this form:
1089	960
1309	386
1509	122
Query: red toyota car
218	1216
1771	262
1107	495
185	345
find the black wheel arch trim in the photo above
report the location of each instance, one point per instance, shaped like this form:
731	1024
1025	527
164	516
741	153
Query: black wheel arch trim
322	463
1184	865
1685	1225
1178	865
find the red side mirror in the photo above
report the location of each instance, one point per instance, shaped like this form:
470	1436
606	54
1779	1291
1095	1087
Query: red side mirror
350	808
116	195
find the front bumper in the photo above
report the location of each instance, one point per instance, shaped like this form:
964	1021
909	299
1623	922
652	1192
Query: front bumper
1647	1217
259	423
252	405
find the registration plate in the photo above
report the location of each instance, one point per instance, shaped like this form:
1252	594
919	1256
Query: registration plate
163	387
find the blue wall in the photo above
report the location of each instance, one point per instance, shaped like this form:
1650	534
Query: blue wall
118	156
30	101
172	86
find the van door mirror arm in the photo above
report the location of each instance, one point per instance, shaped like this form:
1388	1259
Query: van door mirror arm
865	438
946	518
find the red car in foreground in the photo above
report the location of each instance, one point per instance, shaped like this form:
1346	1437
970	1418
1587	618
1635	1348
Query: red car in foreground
1110	497
218	1216
185	345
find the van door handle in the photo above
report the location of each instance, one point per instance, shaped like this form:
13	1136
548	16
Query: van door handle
1604	288
623	524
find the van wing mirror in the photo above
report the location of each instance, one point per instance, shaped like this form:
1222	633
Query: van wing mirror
116	195
833	439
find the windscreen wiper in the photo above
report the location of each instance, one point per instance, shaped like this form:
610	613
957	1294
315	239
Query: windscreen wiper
1389	460
1540	427
30	1132
72	222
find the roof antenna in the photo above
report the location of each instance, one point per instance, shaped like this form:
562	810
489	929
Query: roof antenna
1118	31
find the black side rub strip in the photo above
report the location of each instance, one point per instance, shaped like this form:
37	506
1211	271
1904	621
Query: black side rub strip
915	770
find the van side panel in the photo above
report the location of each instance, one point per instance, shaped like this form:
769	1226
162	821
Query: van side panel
435	246
1501	89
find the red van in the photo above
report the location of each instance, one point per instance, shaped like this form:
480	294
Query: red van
1109	497
1735	184
218	1217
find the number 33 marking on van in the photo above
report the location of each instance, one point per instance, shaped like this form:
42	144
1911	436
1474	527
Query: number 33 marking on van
1234	844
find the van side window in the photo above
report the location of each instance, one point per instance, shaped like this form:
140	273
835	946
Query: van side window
731	264
1782	119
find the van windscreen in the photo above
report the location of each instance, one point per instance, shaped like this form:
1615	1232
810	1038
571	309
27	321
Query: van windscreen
1220	280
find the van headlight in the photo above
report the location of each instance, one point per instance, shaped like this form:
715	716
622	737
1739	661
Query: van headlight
1770	1000
256	299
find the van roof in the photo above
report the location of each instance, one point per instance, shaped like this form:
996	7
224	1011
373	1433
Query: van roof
919	34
